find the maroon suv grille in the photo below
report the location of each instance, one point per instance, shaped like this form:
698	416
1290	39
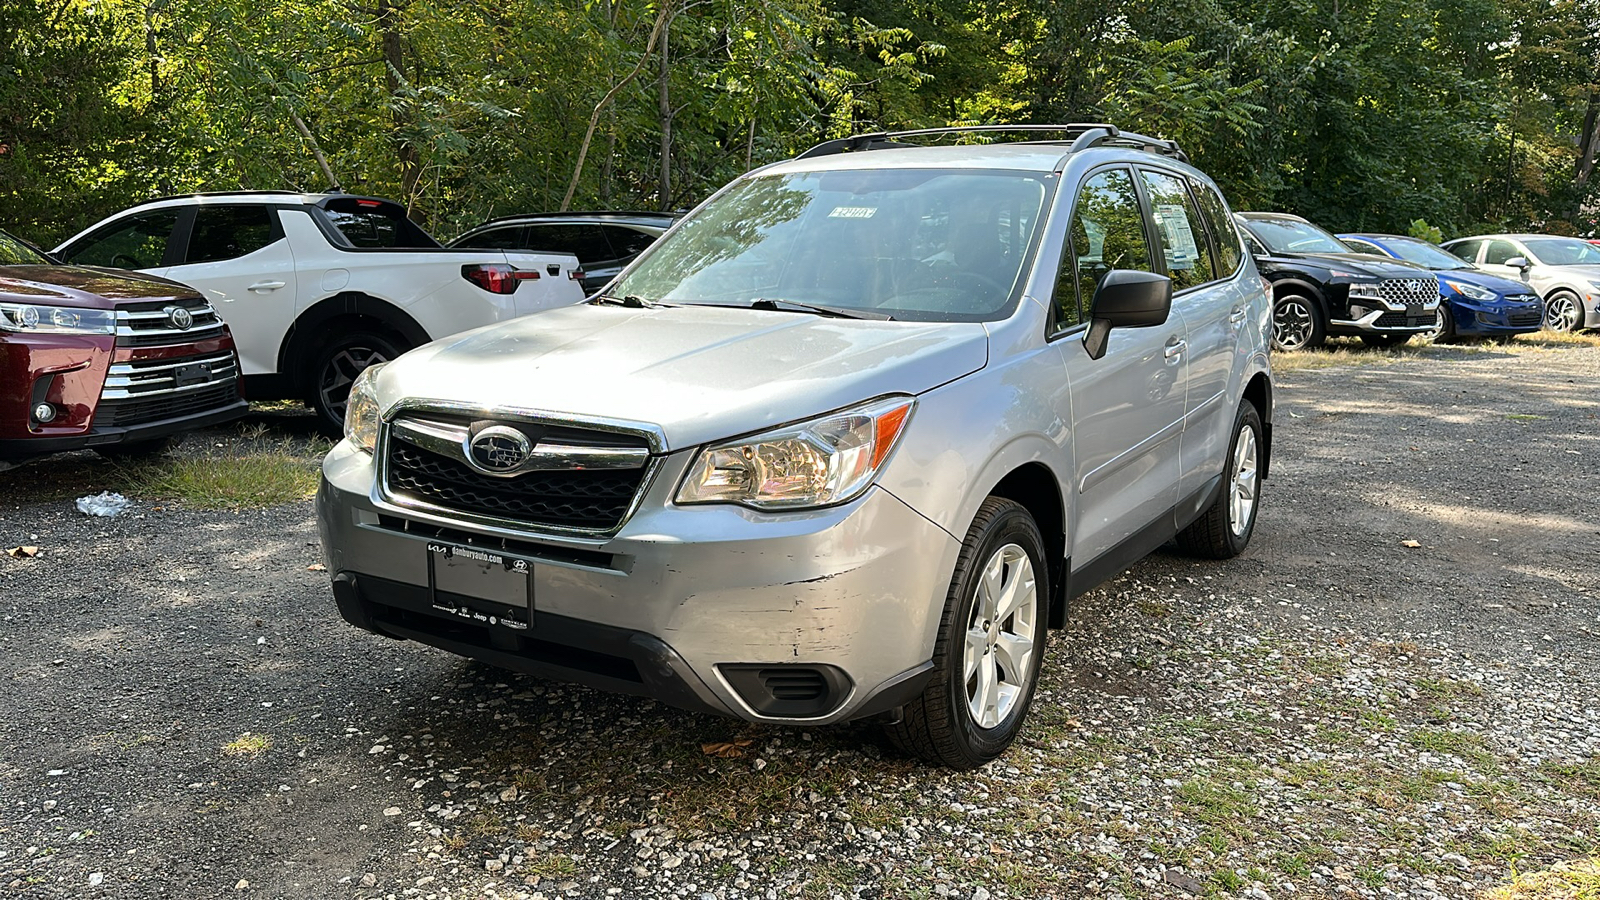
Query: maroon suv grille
121	413
592	500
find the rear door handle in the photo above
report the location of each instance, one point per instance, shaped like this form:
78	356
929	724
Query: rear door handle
1237	315
266	285
1175	349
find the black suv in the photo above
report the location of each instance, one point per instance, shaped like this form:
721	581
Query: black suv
603	242
1320	287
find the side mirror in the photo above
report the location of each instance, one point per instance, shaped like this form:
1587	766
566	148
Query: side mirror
1518	262
1126	298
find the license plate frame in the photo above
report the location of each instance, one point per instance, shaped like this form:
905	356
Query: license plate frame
191	374
484	585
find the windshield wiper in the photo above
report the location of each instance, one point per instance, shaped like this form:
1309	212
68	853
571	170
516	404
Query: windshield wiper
834	312
632	301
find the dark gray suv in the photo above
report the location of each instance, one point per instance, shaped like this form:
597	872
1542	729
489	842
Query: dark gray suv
844	444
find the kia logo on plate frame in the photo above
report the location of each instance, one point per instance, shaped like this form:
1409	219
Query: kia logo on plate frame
498	450
180	318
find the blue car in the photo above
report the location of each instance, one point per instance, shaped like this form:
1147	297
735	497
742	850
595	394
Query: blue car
1475	303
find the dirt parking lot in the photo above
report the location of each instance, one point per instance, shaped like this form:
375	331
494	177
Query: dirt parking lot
1337	713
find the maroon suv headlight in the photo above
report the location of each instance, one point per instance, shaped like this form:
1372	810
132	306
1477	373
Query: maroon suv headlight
29	318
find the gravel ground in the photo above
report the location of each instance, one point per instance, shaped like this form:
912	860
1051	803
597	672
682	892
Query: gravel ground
1336	713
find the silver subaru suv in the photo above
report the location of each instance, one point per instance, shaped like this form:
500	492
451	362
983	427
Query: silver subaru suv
843	444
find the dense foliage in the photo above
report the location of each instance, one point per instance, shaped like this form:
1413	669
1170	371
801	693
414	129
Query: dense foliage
1361	114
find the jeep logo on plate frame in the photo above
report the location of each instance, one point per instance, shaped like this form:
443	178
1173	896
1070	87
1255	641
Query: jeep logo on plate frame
498	450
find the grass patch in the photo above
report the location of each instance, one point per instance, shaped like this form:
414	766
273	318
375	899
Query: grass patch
1578	880
248	745
231	480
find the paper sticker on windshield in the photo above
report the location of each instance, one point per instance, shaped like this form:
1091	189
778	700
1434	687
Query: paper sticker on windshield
853	212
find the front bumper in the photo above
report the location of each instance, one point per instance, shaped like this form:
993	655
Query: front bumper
1474	318
1384	321
681	605
18	449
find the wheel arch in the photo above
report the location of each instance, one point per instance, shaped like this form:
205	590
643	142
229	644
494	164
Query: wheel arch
1258	393
311	330
1036	489
1303	286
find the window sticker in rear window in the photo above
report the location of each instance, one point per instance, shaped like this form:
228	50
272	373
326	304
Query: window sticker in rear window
853	212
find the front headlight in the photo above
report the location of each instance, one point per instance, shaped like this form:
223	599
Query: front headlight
28	318
1471	291
823	462
361	412
1365	290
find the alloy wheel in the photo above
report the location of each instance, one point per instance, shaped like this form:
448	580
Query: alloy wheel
1292	324
998	659
1561	313
1244	483
340	374
1437	331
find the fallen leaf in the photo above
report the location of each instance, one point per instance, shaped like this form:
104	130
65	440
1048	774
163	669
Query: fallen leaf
28	552
1412	544
725	749
316	567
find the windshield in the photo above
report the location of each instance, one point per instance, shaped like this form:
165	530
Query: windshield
15	253
1564	251
1294	236
1424	254
931	245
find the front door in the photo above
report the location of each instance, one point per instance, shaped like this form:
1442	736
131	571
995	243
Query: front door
1127	406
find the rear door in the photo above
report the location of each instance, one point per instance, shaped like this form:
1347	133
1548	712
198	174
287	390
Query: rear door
1128	406
1212	302
237	257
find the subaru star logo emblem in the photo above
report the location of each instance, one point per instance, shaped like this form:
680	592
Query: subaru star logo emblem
498	450
180	318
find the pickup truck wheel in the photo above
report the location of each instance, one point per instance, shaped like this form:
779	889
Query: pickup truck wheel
1296	323
336	369
1224	529
1563	312
138	451
990	646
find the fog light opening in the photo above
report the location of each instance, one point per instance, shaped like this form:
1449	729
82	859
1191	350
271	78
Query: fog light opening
44	413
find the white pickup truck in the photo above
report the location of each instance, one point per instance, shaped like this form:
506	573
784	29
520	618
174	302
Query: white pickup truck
316	287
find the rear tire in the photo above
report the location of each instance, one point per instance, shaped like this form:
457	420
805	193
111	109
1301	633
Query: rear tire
139	451
335	370
1224	529
990	645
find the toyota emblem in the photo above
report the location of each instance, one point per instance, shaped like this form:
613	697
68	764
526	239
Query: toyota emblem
180	318
498	450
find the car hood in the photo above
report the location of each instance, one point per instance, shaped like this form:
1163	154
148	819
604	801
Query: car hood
84	287
1361	264
700	374
1484	279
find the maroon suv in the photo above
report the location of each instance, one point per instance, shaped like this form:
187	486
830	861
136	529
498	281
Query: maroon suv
105	360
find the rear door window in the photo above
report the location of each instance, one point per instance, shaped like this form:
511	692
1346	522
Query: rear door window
1179	229
1467	250
587	242
229	232
507	238
138	241
625	242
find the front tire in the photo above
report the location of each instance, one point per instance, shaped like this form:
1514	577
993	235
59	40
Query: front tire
1224	529
335	371
1444	327
990	646
1297	324
1563	312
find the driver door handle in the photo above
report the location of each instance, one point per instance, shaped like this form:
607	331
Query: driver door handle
1175	348
266	286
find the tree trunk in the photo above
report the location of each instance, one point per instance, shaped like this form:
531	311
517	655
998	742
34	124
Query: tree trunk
1588	142
405	152
664	193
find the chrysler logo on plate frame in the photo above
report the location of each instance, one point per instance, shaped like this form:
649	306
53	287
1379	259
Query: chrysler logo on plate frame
180	318
498	450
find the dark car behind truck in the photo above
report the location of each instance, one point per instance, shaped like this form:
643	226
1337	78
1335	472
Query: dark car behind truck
1321	288
104	360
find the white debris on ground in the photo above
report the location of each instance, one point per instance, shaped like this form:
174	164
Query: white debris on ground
105	504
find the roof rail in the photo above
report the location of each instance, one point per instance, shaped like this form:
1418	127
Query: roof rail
1079	135
578	213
